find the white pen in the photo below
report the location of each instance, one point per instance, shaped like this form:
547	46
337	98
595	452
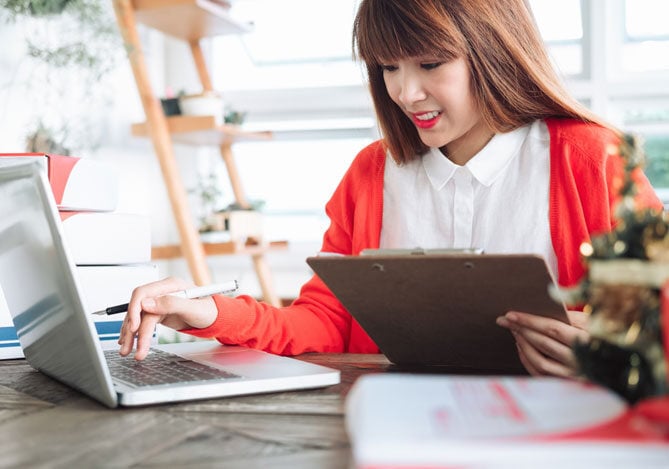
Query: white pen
195	292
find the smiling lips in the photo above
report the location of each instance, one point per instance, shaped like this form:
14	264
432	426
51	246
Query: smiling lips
426	120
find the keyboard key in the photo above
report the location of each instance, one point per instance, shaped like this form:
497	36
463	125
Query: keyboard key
161	367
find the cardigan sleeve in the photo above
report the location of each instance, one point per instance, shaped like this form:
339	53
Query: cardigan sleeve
586	177
316	321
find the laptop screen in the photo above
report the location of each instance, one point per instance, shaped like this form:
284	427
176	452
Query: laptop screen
39	287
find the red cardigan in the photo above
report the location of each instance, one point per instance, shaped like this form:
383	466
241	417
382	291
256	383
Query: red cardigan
585	179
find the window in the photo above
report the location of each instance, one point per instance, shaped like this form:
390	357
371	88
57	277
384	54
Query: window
650	119
295	179
646	40
292	40
294	43
657	152
561	26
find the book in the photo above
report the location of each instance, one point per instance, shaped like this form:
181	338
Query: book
448	421
101	287
107	238
77	183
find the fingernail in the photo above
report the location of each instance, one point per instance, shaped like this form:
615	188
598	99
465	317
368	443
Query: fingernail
501	321
511	316
148	303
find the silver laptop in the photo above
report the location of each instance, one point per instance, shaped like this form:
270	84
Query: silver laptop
58	336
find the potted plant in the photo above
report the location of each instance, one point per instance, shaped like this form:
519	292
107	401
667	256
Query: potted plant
66	42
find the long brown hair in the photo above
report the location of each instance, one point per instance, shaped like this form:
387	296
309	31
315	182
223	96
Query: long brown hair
512	79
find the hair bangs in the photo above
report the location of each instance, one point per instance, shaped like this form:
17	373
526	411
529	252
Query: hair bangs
388	30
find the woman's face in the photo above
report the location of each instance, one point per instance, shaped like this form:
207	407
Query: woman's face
436	96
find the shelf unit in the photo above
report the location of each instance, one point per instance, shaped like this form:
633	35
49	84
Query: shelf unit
191	21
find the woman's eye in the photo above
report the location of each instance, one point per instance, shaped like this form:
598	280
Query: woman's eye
430	65
388	68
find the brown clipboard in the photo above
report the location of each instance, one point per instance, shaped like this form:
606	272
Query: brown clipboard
439	310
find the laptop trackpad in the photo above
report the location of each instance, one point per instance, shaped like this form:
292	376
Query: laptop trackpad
242	361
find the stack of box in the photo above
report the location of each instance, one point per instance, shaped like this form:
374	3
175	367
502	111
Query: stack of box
111	249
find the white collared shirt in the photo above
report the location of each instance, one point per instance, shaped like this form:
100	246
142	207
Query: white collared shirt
498	201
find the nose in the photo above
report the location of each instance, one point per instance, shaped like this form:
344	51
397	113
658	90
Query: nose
411	88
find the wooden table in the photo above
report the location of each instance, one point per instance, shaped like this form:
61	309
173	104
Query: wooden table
46	424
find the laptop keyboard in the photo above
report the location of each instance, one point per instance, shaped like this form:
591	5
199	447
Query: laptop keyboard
161	367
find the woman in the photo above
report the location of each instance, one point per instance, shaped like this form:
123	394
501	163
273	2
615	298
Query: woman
482	147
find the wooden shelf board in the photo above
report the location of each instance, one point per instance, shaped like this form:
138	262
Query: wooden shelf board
218	249
201	130
188	19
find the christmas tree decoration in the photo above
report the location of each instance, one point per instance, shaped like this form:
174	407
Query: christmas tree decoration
627	270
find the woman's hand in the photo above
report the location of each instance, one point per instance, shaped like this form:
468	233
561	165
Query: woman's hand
545	344
151	304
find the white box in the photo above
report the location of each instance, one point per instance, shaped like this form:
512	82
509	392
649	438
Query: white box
77	183
107	238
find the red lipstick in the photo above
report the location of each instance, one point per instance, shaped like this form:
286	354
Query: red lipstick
425	123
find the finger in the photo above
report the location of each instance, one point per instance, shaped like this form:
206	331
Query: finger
145	335
525	362
132	320
504	322
539	363
126	338
579	319
557	330
548	347
534	348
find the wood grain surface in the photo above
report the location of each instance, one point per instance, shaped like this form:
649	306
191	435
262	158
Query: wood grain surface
46	424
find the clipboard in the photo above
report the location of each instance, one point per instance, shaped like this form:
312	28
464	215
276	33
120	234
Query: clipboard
438	309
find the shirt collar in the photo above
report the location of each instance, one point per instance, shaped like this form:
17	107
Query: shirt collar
486	166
